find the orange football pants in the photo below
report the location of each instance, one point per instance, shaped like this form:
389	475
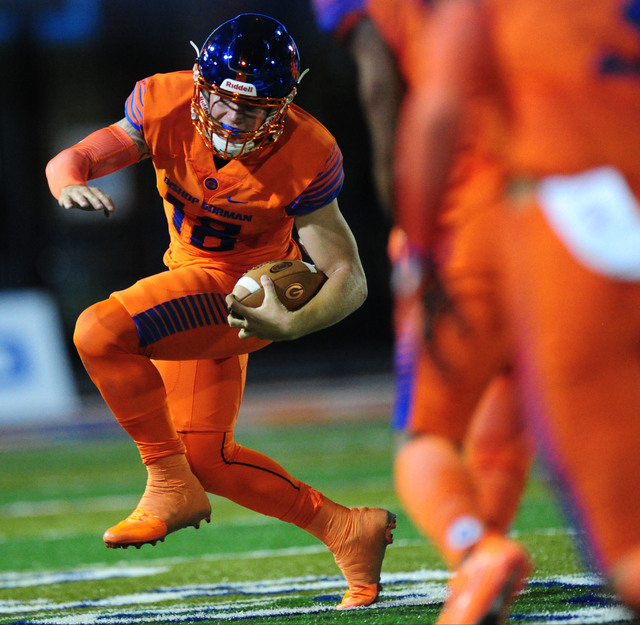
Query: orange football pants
173	372
470	454
578	346
471	348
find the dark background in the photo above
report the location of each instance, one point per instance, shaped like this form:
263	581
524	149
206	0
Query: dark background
67	68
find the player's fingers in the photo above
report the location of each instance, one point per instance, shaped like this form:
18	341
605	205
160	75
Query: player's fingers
106	203
99	201
232	304
66	202
86	198
267	285
73	197
235	319
270	294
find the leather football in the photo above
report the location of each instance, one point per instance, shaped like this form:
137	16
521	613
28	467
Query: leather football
295	281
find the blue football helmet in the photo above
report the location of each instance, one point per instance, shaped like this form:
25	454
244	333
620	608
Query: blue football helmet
250	60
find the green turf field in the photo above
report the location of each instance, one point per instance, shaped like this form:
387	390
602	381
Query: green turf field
56	500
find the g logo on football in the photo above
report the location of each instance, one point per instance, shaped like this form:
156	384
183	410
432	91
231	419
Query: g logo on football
294	291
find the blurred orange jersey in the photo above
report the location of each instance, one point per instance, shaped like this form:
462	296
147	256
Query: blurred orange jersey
574	90
240	214
400	24
476	180
397	21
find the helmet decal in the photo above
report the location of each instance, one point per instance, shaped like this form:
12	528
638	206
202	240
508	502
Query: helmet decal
239	87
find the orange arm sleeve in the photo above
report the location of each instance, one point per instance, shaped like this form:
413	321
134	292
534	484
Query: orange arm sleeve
102	152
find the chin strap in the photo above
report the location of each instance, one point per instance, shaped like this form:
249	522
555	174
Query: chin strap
102	152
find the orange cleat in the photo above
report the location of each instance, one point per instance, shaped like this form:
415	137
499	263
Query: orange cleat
358	596
173	499
484	586
359	551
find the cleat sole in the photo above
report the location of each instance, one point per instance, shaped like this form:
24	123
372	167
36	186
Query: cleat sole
137	545
207	519
152	541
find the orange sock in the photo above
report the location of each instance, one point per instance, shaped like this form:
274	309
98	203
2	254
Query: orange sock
499	454
249	478
500	479
438	495
107	341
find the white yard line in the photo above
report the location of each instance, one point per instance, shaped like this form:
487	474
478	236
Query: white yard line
255	599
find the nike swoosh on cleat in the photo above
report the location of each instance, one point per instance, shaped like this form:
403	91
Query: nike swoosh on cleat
229	199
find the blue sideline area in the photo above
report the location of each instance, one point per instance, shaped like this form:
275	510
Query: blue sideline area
282	387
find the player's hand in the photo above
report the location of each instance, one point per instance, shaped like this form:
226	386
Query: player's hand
86	198
271	321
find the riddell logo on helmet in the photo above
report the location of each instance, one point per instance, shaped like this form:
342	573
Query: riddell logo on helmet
239	87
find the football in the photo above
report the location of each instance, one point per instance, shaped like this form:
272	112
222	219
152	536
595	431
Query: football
295	281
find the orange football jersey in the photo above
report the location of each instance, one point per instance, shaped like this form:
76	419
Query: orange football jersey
241	214
400	23
574	90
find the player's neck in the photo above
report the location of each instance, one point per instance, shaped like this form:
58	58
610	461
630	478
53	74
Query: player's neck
219	162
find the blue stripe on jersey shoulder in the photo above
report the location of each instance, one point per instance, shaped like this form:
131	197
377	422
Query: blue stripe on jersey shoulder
134	106
324	189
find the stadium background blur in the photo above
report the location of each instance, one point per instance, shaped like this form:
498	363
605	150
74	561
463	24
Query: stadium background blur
68	66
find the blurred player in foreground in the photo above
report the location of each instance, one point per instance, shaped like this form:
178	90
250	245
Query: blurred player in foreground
462	470
567	75
237	165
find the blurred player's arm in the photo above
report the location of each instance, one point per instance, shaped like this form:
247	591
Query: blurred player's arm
102	152
381	90
331	246
456	50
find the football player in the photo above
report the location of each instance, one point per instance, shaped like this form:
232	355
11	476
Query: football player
462	466
237	166
567	77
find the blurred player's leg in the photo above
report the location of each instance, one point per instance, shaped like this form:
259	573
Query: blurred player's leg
467	408
466	504
625	579
579	333
461	474
438	495
486	582
499	454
